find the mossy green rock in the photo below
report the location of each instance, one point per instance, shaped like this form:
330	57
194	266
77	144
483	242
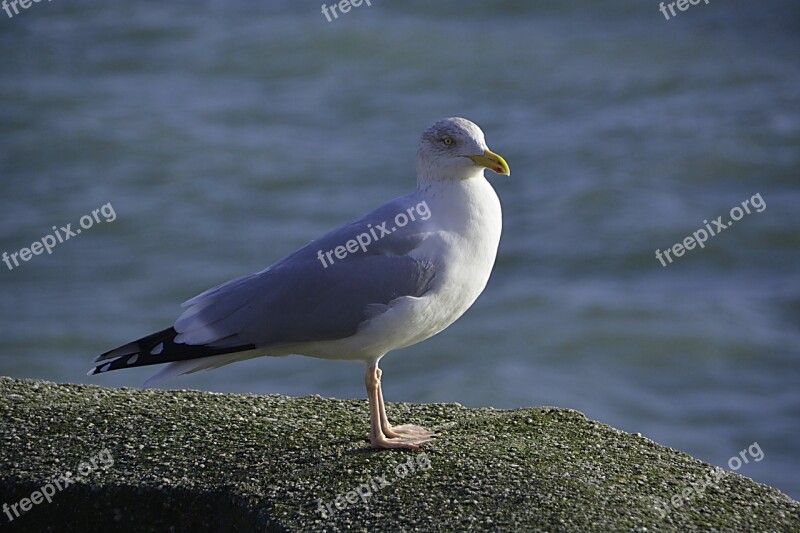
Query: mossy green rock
196	461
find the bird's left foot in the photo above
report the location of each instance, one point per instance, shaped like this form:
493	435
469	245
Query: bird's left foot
410	432
407	436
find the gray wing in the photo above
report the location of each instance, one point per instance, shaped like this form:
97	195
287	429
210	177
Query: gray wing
299	300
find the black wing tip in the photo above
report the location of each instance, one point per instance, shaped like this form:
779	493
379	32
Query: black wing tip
127	355
154	349
142	345
106	367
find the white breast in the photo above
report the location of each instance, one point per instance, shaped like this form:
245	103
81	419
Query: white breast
463	234
469	220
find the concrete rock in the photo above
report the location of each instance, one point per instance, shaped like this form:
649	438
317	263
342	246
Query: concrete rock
153	460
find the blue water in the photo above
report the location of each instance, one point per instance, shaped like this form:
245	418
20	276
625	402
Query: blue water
226	135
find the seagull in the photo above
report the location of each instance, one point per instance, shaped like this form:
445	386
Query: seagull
395	277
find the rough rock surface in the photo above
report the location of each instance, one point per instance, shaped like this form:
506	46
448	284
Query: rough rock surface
187	460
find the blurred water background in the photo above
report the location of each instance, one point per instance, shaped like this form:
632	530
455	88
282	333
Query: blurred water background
227	134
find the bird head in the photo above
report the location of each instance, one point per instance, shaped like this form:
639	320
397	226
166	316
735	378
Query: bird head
454	149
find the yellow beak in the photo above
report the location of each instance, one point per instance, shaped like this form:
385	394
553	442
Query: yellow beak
492	161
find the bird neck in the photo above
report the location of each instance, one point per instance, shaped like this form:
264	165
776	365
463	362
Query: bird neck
455	194
427	177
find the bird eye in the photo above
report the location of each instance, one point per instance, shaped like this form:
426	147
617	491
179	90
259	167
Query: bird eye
447	141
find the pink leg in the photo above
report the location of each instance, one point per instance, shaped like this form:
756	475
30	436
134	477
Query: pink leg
382	435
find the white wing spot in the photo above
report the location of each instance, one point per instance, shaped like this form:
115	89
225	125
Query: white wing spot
133	359
105	367
158	349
